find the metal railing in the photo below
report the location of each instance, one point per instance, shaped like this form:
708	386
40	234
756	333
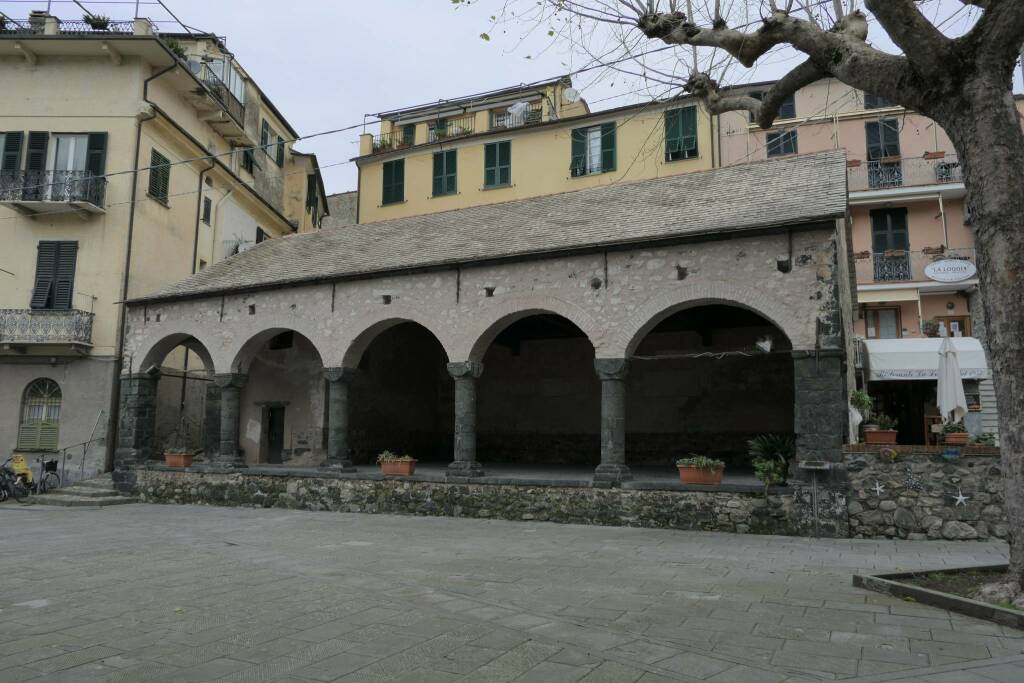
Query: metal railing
881	175
387	142
44	326
451	129
220	91
534	113
127	27
53	186
903	265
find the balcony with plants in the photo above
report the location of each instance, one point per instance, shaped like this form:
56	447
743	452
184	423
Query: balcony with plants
889	173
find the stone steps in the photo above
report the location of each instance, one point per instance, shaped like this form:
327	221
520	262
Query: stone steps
98	492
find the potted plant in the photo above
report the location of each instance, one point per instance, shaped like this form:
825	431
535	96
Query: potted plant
885	433
955	434
176	450
392	463
176	47
863	404
97	21
700	469
930	328
984	439
770	455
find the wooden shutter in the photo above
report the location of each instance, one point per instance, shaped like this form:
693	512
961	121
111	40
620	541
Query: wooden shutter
64	279
394	181
491	164
607	147
96	156
265	136
505	163
451	173
159	176
673	134
438	174
578	163
46	271
312	198
35	164
10	162
280	151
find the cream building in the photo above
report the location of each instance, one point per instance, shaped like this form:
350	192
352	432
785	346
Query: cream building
130	159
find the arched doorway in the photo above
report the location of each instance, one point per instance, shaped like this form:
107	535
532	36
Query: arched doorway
705	380
282	400
39	428
539	398
401	397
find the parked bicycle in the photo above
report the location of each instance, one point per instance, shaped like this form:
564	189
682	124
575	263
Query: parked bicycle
49	480
11	484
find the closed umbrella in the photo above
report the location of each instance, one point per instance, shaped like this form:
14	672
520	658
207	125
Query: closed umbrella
951	399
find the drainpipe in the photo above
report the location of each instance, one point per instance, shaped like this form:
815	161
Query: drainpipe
195	255
122	319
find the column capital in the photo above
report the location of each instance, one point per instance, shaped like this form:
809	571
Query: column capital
466	369
227	380
339	374
611	368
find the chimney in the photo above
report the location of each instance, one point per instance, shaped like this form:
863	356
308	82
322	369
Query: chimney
37	20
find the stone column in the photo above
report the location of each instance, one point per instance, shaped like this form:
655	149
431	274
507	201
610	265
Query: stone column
820	413
136	422
339	457
230	413
612	469
465	375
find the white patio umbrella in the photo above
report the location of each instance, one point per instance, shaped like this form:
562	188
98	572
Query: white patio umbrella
951	399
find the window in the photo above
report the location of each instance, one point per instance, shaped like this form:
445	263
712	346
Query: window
40	416
261	236
593	150
498	164
445	173
787	110
10	149
883	323
312	197
781	142
55	275
883	139
394	182
872	101
280	151
159	176
954	325
272	143
248	160
890	243
681	133
207	209
409	134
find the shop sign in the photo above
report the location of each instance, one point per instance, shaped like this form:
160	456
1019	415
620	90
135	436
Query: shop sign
951	270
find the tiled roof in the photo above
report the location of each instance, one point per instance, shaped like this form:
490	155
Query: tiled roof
790	191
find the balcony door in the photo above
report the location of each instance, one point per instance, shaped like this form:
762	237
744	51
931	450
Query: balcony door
890	245
883	145
68	165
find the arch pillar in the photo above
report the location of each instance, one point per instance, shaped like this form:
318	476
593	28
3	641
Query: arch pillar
137	421
613	469
820	407
230	385
339	456
465	464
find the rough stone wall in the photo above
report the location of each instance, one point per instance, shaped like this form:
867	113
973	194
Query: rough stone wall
918	494
717	511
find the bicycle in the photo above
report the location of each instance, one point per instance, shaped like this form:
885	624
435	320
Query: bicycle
11	485
48	478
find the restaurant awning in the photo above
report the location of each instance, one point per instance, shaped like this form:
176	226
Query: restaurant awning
909	359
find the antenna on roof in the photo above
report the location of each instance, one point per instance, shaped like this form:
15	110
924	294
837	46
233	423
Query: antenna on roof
571	95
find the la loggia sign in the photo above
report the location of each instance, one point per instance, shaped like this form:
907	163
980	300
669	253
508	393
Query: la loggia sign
951	270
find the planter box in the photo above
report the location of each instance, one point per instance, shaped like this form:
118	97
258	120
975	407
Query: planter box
178	459
402	468
956	438
880	436
697	475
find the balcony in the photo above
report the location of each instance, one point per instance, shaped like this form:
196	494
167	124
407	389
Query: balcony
451	129
216	96
22	330
34	193
896	266
533	113
389	142
899	173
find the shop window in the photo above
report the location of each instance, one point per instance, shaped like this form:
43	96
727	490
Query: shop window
954	325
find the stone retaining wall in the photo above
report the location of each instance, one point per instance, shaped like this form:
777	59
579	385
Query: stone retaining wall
915	496
689	510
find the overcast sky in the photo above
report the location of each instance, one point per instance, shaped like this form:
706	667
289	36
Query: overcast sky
327	63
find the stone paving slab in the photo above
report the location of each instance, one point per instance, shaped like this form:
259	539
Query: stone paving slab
181	593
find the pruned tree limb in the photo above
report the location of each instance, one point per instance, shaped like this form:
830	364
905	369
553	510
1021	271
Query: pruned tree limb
924	44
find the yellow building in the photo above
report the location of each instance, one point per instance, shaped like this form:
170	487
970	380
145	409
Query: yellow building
129	161
521	142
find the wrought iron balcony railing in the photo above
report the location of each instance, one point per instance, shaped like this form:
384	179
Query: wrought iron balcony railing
126	27
899	265
451	128
29	326
396	139
52	186
220	91
887	174
534	113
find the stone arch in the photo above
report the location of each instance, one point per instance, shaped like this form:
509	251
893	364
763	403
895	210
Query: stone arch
244	355
661	306
158	350
364	330
497	319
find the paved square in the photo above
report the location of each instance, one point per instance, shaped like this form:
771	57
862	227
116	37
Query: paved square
182	593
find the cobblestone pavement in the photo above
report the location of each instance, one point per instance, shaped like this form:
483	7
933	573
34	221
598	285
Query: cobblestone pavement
181	593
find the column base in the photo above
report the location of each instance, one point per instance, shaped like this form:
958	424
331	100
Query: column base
234	462
338	466
608	474
464	469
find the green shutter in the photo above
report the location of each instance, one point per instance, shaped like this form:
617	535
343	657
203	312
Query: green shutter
11	159
64	279
159	176
445	173
498	164
96	156
607	147
578	165
491	164
680	133
46	271
438	174
280	151
394	181
265	136
35	165
505	163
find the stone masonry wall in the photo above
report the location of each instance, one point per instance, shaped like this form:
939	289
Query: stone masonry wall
916	495
687	510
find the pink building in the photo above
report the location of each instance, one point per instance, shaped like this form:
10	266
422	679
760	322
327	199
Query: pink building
911	238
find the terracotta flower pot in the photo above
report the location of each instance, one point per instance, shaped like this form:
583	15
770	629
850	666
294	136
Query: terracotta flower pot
402	468
178	459
697	475
880	436
956	438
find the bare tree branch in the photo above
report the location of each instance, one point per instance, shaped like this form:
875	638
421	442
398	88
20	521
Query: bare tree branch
924	45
